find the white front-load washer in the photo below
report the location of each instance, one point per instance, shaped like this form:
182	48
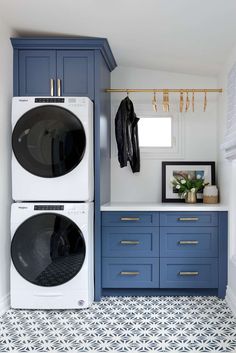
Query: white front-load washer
52	255
52	142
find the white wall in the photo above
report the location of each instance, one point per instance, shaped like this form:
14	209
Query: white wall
200	130
227	177
5	151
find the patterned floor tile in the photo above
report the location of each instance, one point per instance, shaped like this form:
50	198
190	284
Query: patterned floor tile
124	324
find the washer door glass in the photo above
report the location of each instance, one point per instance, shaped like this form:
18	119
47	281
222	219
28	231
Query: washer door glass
48	249
49	141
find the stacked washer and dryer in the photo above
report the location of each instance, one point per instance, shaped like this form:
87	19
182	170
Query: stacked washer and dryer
52	214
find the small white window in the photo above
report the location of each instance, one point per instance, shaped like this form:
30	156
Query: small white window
155	132
160	135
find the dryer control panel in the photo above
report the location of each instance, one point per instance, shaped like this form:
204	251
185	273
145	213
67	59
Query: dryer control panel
48	207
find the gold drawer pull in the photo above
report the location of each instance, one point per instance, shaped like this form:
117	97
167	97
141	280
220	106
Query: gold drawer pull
188	219
130	219
188	273
188	242
129	273
129	242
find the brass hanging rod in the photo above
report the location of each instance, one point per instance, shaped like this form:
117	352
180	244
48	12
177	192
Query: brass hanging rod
170	90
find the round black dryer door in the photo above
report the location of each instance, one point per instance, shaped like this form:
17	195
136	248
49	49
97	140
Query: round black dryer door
49	141
48	249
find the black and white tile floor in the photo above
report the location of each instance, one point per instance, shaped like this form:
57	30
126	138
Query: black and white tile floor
128	324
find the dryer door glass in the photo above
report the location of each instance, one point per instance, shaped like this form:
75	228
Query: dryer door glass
49	141
48	249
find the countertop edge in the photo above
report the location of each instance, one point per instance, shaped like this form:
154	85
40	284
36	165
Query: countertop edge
163	207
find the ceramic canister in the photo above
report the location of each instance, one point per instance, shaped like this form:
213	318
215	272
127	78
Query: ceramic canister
210	194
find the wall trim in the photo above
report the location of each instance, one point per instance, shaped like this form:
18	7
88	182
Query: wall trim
4	304
231	299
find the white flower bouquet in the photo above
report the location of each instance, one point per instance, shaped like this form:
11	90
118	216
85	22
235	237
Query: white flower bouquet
183	184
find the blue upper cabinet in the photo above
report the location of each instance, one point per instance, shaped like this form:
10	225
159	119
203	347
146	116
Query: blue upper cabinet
58	67
56	73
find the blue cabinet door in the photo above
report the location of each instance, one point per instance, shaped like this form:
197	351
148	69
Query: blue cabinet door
75	70
36	69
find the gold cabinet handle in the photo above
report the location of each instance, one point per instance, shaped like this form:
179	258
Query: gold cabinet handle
58	87
188	219
129	242
51	87
130	219
188	273
129	273
188	242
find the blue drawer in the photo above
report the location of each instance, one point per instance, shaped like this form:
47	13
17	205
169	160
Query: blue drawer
128	219
130	273
188	273
189	241
186	219
130	241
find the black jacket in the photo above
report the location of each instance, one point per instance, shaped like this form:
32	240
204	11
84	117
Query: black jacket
126	129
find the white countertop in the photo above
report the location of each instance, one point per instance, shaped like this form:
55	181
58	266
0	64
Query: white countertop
135	206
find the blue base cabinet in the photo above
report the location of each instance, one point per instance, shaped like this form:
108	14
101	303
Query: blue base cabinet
164	253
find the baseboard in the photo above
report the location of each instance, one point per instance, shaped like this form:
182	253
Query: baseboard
231	299
4	304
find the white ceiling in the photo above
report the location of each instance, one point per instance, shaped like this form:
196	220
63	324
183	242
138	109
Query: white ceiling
189	36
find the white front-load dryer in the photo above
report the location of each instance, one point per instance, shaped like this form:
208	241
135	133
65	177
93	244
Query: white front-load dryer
52	255
52	142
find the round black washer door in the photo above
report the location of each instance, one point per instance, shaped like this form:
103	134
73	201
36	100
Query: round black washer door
49	141
48	249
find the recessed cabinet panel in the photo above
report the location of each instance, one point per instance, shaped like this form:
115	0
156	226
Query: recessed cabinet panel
75	70
36	69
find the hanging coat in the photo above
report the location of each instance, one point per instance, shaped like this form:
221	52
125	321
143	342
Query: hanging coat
126	130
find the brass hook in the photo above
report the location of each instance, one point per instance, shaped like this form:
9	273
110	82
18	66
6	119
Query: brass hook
154	102
193	101
127	92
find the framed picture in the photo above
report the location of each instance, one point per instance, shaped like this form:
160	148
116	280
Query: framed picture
171	169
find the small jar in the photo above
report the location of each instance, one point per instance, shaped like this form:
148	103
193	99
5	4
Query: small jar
210	194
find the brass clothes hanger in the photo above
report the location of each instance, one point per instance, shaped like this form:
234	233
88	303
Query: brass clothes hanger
181	101
187	102
154	102
165	102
